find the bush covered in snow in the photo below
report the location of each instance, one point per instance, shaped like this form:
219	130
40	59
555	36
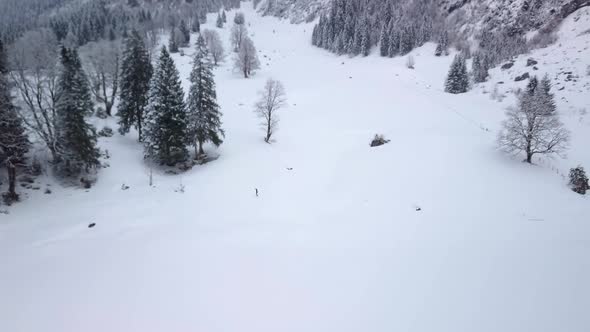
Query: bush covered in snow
579	180
379	140
106	132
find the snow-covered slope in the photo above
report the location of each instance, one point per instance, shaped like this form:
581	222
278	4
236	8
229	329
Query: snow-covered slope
335	242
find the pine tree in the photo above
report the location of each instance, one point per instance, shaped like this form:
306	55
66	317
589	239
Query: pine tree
547	98
204	121
458	79
186	34
223	16
219	22
479	68
172	42
76	139
166	119
384	40
196	26
14	143
136	72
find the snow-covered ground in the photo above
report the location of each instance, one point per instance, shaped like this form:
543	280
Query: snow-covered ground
335	241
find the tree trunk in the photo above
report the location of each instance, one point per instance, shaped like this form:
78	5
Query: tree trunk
268	133
529	154
139	121
201	151
11	179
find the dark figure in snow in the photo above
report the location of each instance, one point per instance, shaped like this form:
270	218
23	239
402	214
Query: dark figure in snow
256	191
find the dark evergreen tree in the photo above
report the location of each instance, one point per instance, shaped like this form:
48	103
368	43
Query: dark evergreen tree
3	59
479	68
458	78
204	117
219	22
172	42
136	72
579	180
442	48
547	98
196	26
166	122
532	85
76	139
186	34
239	18
223	16
384	40
14	143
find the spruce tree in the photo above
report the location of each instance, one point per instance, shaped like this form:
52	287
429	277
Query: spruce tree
219	22
166	118
458	79
223	16
196	26
14	143
136	72
547	98
203	110
172	42
186	34
479	68
384	40
75	138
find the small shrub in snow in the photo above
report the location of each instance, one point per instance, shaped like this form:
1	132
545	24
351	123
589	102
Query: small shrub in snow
35	169
101	113
10	197
379	140
106	132
579	180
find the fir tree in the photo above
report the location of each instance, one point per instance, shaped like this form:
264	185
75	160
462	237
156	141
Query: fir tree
196	26
76	139
458	79
166	118
186	34
219	22
384	41
14	143
223	16
547	98
479	68
204	121
172	42
136	72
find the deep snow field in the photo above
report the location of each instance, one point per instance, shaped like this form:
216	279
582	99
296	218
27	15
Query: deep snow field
336	243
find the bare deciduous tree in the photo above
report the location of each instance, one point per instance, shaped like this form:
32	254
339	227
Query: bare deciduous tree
530	129
239	33
247	59
214	45
101	60
272	98
34	63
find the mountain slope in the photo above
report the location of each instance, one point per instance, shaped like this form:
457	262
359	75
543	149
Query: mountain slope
434	231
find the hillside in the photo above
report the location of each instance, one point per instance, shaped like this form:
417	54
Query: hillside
435	231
